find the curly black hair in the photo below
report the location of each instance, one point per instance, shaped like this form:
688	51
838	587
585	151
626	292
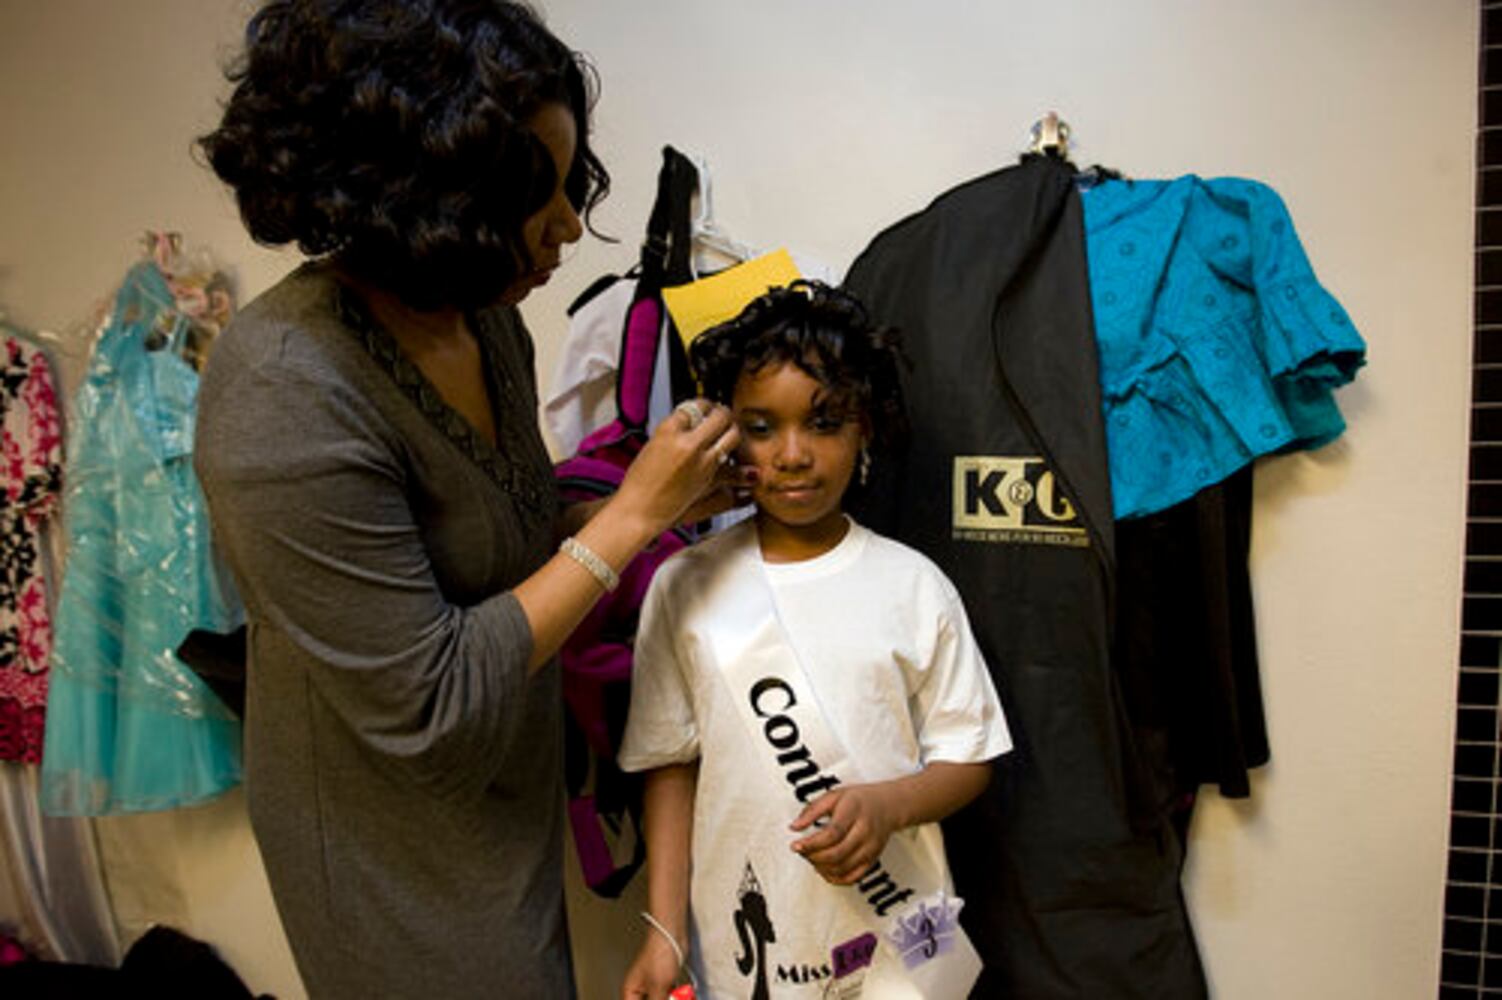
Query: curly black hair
827	333
393	134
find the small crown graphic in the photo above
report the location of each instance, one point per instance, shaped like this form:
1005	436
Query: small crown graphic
749	883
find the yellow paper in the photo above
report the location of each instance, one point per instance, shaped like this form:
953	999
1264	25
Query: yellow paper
701	304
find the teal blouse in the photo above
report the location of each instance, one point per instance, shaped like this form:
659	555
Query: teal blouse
1217	343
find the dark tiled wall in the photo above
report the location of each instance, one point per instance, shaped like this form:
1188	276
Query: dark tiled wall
1471	964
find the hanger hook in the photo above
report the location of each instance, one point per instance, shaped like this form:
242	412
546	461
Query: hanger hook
1050	136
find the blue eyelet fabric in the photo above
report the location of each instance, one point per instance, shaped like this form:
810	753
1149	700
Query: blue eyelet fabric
1217	343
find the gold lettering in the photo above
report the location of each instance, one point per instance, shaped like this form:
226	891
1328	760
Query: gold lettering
1048	494
1012	500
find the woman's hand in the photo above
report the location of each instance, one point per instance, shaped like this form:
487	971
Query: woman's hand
686	465
679	466
858	820
653	972
731	488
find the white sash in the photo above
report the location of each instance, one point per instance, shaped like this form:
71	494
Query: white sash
915	948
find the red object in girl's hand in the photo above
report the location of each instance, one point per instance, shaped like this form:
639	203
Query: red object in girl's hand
684	992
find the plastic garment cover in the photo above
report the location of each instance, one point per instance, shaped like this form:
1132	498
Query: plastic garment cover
1067	862
129	725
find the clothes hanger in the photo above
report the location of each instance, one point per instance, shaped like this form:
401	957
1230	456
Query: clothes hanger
36	338
202	301
705	232
1049	136
1052	137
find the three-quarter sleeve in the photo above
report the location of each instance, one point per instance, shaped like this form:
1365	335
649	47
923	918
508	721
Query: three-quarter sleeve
310	502
1307	339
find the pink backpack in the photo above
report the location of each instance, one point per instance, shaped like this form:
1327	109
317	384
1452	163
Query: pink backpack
596	660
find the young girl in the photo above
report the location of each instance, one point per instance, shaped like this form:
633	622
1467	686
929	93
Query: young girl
808	700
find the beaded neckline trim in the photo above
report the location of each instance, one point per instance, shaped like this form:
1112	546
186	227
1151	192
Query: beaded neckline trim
383	348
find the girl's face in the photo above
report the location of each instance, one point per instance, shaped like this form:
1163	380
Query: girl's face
804	451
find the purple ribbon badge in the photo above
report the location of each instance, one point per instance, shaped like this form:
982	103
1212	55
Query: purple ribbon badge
926	930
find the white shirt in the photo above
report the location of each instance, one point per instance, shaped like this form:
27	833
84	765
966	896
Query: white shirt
899	678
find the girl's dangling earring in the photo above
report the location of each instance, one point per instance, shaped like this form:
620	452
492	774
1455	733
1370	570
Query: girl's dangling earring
865	465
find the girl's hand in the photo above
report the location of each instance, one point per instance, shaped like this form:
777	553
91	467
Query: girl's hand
653	972
684	465
858	821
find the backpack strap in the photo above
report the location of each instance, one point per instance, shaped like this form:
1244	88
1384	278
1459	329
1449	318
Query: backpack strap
596	659
669	240
664	261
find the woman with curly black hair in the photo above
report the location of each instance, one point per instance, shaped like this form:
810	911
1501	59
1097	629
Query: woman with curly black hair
368	444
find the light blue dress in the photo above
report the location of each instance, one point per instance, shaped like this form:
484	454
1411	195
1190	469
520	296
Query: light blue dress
129	726
1217	343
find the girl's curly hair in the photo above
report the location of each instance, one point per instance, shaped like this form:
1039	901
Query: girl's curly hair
393	134
824	331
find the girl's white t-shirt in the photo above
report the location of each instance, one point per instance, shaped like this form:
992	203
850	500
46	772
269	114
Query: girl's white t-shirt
887	646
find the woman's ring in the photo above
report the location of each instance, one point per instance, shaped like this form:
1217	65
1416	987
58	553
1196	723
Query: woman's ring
691	411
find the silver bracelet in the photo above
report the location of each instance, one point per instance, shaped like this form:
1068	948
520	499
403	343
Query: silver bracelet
586	557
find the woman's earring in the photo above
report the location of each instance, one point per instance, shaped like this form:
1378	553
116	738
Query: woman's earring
865	465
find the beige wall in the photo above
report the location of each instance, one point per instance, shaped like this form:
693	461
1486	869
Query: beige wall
823	122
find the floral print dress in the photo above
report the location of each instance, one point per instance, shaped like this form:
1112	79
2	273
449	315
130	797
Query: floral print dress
30	480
